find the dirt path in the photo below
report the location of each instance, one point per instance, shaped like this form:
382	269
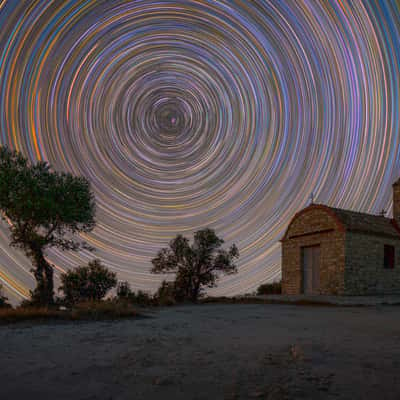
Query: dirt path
209	352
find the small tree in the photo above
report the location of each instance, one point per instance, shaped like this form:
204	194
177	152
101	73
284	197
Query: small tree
45	209
196	265
87	283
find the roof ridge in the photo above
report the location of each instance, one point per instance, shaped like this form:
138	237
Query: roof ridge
353	211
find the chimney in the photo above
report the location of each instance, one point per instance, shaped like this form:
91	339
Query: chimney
396	201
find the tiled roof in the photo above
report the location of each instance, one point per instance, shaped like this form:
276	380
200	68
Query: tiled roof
366	223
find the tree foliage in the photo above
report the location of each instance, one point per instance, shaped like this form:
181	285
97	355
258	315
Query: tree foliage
196	265
87	283
45	208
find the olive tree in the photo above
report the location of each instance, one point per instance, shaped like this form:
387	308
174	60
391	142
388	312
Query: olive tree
44	209
196	265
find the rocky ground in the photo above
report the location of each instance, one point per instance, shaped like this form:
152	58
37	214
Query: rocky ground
213	351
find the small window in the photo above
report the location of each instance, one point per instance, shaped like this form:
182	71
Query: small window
388	261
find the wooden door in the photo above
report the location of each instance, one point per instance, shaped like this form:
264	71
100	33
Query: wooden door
310	268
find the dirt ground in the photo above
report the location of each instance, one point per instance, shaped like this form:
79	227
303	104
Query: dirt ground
209	352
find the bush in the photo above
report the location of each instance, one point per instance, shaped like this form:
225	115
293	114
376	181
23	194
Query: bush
3	299
270	288
124	290
166	294
87	283
141	298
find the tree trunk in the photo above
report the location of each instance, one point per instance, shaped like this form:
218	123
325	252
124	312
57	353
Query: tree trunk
43	272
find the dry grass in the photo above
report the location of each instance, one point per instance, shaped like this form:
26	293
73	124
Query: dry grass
92	311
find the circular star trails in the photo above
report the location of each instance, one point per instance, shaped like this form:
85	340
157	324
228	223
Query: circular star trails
192	114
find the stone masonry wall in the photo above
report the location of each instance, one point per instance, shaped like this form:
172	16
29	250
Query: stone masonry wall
332	252
364	273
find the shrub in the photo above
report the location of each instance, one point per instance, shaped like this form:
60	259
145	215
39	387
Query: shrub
167	294
123	290
141	298
125	293
270	288
87	283
3	299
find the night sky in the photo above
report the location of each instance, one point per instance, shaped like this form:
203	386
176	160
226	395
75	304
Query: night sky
194	113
